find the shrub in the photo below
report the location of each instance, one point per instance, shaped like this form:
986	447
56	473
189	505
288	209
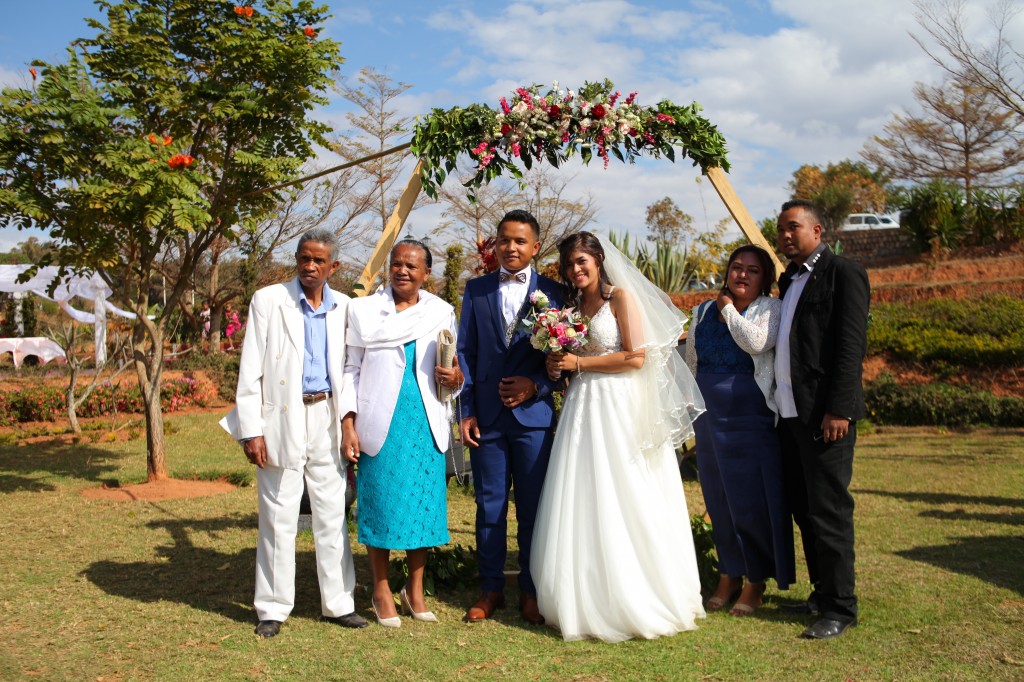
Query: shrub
707	561
222	368
939	405
49	403
452	568
974	333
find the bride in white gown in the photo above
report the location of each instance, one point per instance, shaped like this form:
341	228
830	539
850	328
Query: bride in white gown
613	555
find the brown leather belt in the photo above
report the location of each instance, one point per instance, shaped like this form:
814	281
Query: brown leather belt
314	398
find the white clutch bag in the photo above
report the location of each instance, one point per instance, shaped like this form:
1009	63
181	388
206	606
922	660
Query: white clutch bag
445	358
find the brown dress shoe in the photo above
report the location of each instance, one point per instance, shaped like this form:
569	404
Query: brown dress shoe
528	605
485	606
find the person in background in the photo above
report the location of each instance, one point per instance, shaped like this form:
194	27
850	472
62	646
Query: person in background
233	324
395	426
731	351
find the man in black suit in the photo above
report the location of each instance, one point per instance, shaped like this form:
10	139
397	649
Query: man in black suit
818	368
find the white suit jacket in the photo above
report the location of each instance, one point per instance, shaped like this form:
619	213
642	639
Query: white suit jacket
268	401
373	378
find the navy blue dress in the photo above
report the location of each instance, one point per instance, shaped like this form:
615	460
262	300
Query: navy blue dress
739	461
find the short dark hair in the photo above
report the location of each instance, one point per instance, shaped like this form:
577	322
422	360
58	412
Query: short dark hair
518	215
320	235
767	265
416	244
808	206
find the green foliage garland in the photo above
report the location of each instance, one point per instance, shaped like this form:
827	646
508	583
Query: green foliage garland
554	125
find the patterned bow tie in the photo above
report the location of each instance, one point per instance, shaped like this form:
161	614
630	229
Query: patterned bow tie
507	276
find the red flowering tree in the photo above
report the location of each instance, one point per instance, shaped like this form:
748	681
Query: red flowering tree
147	144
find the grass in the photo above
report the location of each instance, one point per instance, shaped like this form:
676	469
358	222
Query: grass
155	591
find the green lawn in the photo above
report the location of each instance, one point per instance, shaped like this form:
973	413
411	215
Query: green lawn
163	591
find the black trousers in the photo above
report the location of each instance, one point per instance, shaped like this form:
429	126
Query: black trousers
817	482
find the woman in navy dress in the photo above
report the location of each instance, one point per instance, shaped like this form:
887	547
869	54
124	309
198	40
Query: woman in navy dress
395	426
731	351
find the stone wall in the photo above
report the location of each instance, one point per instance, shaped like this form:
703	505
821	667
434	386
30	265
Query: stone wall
873	247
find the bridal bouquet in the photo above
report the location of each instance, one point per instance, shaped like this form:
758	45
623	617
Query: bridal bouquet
555	330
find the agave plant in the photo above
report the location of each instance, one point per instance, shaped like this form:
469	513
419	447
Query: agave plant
667	267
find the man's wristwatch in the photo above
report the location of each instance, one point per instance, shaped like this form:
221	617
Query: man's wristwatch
243	441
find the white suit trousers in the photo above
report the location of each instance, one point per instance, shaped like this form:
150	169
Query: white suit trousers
280	492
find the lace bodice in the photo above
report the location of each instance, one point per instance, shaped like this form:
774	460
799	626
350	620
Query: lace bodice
604	335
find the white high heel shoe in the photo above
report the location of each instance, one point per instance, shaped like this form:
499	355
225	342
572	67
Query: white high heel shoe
423	617
392	622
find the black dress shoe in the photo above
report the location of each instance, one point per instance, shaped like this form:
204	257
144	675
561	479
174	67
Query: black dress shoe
268	628
826	628
804	608
349	620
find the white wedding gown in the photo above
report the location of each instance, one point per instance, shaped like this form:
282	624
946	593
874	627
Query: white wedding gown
613	554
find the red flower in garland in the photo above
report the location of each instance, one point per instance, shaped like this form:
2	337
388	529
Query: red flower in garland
505	129
554	112
598	111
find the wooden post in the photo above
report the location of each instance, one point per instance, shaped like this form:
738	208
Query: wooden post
390	233
739	213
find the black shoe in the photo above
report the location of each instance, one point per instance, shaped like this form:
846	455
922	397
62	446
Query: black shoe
804	608
268	628
826	628
349	620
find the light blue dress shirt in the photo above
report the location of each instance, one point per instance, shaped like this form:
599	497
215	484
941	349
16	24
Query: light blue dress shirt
315	376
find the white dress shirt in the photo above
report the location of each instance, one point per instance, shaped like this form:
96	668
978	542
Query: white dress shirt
512	294
783	361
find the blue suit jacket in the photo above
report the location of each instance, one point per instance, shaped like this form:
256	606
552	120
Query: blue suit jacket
486	360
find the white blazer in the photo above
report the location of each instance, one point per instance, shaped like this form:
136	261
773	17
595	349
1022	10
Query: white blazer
373	376
268	401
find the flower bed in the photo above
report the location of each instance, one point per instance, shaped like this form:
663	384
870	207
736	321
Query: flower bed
49	403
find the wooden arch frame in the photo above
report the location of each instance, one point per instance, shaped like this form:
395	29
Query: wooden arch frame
393	228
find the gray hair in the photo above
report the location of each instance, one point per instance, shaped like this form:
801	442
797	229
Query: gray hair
323	236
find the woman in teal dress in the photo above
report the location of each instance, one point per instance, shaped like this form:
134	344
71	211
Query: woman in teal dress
395	426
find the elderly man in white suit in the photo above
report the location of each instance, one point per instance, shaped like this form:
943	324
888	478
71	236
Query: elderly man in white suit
287	419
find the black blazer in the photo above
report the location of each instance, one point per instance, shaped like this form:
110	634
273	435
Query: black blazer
828	340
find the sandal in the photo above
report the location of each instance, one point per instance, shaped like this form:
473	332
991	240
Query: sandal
718	603
745	609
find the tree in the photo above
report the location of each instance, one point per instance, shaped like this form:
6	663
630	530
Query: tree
841	189
157	136
236	268
963	135
667	223
543	194
74	343
996	68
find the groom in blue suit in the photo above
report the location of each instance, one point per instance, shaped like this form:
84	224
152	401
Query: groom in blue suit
507	408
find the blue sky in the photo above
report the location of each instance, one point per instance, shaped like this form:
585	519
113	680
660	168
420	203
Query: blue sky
787	81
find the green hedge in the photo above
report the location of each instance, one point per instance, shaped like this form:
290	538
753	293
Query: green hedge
976	333
222	368
939	405
49	403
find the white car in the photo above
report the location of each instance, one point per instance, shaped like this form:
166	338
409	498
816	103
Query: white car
868	221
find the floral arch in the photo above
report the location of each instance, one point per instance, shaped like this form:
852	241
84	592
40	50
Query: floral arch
534	126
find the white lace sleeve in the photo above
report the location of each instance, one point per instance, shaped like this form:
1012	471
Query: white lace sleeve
690	351
758	333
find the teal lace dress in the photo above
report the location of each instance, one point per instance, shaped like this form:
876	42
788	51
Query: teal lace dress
402	494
